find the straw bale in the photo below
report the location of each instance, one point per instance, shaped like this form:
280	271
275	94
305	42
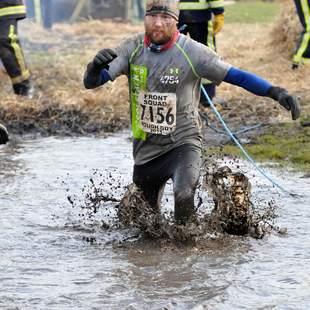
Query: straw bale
287	29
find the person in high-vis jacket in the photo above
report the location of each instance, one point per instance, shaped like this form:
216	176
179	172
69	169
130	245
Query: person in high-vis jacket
165	69
302	52
204	19
11	53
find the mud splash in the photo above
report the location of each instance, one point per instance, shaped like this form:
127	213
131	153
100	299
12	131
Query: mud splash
234	211
111	206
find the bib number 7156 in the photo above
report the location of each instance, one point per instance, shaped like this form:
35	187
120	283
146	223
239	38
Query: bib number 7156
157	112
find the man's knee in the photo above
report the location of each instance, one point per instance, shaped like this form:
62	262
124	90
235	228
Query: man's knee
184	193
184	208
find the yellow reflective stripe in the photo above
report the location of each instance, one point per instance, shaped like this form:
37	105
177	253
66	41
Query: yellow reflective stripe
21	78
37	11
210	41
305	60
199	5
304	44
214	4
19	56
306	37
306	12
13	10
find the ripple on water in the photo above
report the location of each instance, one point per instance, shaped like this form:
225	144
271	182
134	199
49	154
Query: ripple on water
48	261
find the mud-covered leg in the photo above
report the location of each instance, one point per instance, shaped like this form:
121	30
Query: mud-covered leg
151	187
185	181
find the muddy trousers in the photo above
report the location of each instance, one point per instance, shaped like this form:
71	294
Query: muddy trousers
12	56
182	165
302	52
203	33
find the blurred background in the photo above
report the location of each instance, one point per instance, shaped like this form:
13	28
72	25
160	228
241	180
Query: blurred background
49	11
60	37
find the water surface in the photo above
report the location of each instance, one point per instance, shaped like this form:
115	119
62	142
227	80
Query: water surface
45	262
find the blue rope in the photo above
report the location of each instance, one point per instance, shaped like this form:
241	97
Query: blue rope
249	158
223	132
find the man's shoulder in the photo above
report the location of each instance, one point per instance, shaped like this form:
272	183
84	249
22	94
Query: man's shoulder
135	39
190	45
129	44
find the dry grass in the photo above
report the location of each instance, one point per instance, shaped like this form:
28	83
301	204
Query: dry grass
58	58
61	104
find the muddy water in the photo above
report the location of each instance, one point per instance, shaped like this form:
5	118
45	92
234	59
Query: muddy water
48	262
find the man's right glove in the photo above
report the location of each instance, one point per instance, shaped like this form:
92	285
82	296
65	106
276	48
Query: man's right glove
101	61
4	135
287	101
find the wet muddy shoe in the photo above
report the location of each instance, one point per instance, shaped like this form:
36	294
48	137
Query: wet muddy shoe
24	89
295	66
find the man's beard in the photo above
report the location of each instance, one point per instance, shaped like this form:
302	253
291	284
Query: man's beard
163	40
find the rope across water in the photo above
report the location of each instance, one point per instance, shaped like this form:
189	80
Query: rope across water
248	157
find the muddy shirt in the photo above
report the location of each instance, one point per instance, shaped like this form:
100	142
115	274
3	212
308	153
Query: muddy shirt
165	92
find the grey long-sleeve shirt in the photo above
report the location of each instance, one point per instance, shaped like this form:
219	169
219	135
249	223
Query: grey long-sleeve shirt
165	92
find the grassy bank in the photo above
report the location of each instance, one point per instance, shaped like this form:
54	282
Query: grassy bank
251	12
286	144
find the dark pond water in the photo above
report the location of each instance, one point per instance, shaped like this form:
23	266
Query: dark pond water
46	262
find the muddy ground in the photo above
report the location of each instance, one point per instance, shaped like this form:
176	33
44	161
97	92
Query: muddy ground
61	106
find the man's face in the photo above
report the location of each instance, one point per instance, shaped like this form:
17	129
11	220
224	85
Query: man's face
160	27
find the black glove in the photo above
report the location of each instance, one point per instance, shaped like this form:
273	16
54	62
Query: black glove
4	135
101	61
287	101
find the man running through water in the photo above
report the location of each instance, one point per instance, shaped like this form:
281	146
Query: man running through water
165	69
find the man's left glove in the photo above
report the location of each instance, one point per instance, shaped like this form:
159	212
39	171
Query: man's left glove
4	135
218	23
287	101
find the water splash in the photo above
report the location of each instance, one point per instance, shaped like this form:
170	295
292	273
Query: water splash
110	205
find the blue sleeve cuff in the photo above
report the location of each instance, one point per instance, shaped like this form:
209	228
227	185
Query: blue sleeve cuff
104	76
248	81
